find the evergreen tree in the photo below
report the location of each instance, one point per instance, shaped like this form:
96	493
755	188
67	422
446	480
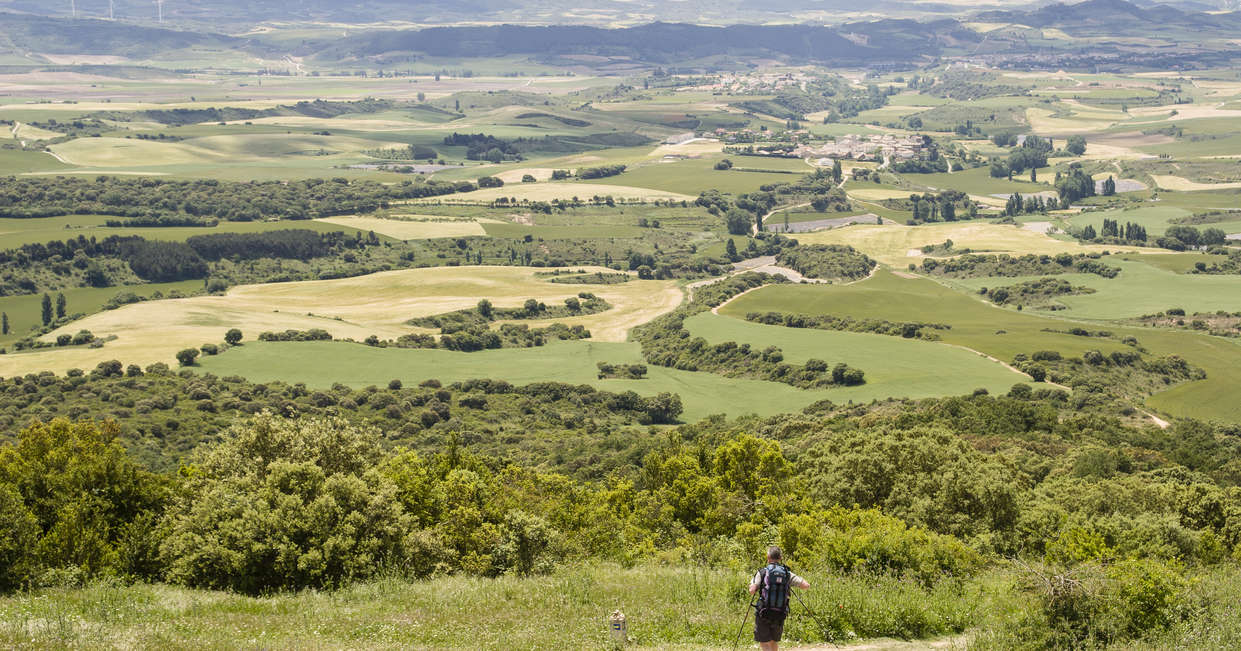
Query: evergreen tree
4	323
730	249
838	173
47	309
60	305
1033	175
1109	187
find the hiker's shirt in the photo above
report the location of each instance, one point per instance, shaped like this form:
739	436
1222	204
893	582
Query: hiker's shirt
757	581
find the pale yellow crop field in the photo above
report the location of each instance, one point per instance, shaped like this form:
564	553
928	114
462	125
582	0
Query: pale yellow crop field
692	149
1042	123
412	227
27	132
1185	185
897	245
355	308
515	176
1188	111
103	152
552	191
879	194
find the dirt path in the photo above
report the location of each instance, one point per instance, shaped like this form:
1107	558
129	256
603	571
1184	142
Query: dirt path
54	155
1161	423
787	273
1007	365
887	644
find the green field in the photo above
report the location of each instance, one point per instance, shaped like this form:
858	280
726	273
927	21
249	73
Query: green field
978	181
1139	289
1156	219
1004	333
18	232
895	367
322	364
694	176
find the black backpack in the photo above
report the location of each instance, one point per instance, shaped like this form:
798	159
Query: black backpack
774	583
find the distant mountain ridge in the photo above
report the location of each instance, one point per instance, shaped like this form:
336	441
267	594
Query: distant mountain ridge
657	42
872	43
1114	14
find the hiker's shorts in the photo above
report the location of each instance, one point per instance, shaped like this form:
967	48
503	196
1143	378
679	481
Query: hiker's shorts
766	630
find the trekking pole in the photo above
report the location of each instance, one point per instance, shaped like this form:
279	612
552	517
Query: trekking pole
741	630
815	616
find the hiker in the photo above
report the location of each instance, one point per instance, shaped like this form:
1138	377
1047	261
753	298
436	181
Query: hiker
772	584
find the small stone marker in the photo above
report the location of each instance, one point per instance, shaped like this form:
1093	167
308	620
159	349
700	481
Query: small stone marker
620	635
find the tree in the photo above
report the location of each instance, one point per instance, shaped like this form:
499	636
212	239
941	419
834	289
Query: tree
285	504
838	173
91	503
47	309
730	249
60	305
724	164
4	323
1034	175
1076	145
1213	237
663	408
738	221
96	277
187	356
485	309
232	337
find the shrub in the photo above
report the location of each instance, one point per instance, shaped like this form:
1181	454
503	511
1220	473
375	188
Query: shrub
187	356
282	505
81	489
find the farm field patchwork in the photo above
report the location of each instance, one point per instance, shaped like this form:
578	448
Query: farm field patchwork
354	308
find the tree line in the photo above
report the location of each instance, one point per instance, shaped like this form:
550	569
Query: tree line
170	202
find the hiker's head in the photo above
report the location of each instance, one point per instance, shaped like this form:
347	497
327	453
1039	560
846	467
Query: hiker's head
774	555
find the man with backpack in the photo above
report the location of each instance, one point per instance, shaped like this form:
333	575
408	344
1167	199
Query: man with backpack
772	585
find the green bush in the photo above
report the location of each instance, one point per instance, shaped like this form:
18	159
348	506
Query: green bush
82	489
282	505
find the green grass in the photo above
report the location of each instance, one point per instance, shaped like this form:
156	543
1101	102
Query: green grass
321	364
666	607
1139	289
1154	218
17	232
696	175
979	181
16	161
978	325
895	367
